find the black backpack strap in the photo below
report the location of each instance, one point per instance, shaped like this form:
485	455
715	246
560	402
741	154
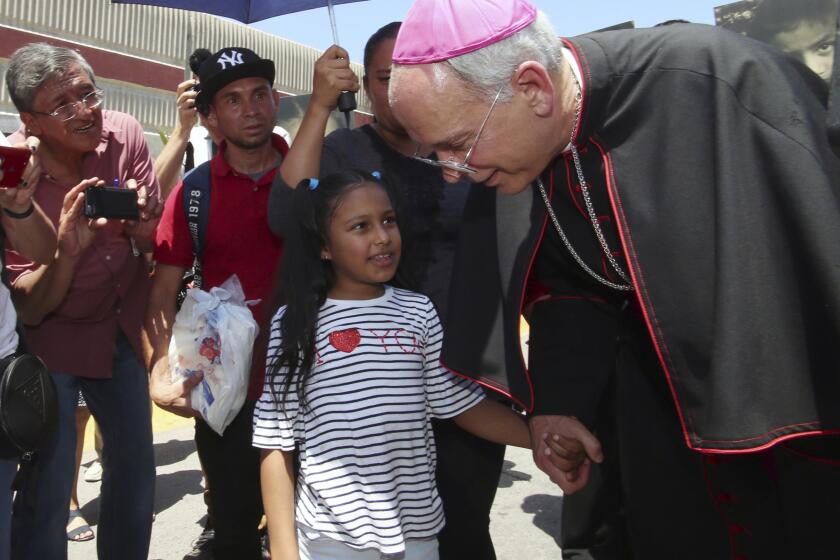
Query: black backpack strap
196	200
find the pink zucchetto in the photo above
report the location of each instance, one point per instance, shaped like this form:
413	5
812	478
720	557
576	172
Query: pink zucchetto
436	30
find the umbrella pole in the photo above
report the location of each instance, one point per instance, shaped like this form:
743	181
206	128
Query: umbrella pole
190	44
347	100
332	22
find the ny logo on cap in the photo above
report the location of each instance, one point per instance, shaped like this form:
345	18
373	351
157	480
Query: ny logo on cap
234	59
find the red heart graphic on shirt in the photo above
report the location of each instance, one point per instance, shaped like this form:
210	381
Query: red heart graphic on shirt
346	340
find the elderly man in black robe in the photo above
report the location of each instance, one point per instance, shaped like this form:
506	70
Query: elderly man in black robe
667	216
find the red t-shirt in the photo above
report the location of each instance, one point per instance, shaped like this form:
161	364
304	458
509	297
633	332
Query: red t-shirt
237	241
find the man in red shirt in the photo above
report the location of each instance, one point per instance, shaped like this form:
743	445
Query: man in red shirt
237	99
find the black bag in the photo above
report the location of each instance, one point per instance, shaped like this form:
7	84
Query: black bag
28	403
28	406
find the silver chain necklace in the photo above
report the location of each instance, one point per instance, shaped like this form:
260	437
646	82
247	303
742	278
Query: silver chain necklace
590	209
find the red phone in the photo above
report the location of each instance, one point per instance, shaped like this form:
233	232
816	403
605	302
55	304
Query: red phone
12	162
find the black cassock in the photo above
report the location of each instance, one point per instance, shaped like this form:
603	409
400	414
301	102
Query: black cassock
714	182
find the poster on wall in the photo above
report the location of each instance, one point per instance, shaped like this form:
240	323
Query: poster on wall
805	29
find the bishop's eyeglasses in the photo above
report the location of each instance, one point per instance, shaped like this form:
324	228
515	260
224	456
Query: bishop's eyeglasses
452	164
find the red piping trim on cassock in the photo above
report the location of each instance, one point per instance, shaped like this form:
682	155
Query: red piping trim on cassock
809	457
767	445
638	281
650	322
615	202
621	220
572	188
714	498
522	305
484	382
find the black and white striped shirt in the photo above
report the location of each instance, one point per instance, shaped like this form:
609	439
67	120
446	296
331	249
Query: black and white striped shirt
367	454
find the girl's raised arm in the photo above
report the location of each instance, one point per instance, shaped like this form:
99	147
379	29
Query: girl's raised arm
277	477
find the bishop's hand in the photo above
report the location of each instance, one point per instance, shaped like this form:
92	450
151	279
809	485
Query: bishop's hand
564	449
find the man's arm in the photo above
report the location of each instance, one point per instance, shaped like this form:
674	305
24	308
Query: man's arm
306	156
169	163
140	175
572	351
142	231
332	76
38	293
160	316
33	237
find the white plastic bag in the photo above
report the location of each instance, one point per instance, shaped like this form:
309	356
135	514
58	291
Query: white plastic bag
214	334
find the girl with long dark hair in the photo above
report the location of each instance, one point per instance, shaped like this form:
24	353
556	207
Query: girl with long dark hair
468	467
353	380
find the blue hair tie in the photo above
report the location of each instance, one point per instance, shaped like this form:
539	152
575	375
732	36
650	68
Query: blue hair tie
376	175
313	183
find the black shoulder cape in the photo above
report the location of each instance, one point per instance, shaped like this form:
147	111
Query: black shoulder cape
725	191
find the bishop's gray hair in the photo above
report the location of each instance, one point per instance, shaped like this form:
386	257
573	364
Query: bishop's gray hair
488	69
32	65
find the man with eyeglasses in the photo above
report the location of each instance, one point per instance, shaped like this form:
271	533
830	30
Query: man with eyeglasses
84	311
671	233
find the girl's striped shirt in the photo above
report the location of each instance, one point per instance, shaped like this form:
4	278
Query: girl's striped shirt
367	454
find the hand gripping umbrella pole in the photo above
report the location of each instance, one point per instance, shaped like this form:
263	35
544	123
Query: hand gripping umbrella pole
347	99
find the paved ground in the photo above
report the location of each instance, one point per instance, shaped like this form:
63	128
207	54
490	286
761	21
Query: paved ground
525	519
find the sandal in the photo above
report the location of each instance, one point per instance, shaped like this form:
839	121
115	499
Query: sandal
80	533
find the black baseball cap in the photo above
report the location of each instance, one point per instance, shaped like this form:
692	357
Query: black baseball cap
226	66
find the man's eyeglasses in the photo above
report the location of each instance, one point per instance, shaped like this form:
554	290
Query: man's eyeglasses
68	111
453	165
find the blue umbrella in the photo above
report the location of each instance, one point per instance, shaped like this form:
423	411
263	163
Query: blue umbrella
249	11
246	11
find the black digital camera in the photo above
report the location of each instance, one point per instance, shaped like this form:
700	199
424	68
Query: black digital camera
111	202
